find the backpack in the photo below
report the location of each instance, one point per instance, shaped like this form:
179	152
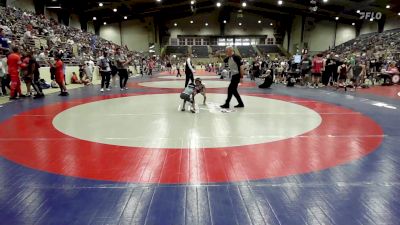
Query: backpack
43	84
54	84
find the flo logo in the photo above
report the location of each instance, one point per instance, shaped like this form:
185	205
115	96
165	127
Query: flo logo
370	15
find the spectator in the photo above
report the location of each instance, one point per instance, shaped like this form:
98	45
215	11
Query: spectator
14	62
122	64
3	40
104	64
4	80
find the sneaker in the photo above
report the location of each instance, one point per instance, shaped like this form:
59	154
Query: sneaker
102	90
38	96
183	109
225	106
122	89
239	106
126	88
108	89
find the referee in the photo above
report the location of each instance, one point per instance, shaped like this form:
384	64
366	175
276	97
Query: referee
235	65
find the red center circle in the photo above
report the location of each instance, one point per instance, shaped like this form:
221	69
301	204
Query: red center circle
31	140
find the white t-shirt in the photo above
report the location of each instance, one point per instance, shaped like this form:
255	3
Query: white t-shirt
91	66
3	67
27	36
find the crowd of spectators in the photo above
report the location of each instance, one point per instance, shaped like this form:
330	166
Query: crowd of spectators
43	40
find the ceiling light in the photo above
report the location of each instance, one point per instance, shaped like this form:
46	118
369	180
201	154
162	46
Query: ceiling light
280	2
244	4
192	2
115	10
325	1
224	21
158	0
101	4
398	13
371	19
105	23
271	24
353	24
191	21
259	21
337	18
94	18
388	6
218	4
358	11
240	24
175	24
125	17
206	24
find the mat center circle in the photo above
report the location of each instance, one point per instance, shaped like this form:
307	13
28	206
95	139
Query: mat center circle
154	121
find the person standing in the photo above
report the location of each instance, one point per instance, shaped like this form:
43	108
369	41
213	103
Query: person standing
4	77
189	71
305	65
317	68
90	69
33	68
24	71
14	62
104	64
178	69
59	74
150	65
235	65
122	66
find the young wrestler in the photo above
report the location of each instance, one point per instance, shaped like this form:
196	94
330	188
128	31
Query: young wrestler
200	89
188	96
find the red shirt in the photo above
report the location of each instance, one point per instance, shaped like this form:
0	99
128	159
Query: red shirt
59	70
318	64
13	62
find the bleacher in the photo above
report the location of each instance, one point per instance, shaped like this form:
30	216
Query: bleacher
217	49
180	50
385	43
247	51
268	49
200	51
49	36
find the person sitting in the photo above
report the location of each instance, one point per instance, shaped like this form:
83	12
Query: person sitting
75	79
85	80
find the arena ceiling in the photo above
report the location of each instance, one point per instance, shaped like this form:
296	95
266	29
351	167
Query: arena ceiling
170	9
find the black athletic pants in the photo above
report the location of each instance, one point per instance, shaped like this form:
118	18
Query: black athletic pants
123	77
233	90
5	82
189	76
105	78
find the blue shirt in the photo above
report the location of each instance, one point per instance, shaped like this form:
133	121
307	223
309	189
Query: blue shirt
4	42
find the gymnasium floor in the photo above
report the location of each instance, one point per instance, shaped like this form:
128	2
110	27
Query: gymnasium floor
292	156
